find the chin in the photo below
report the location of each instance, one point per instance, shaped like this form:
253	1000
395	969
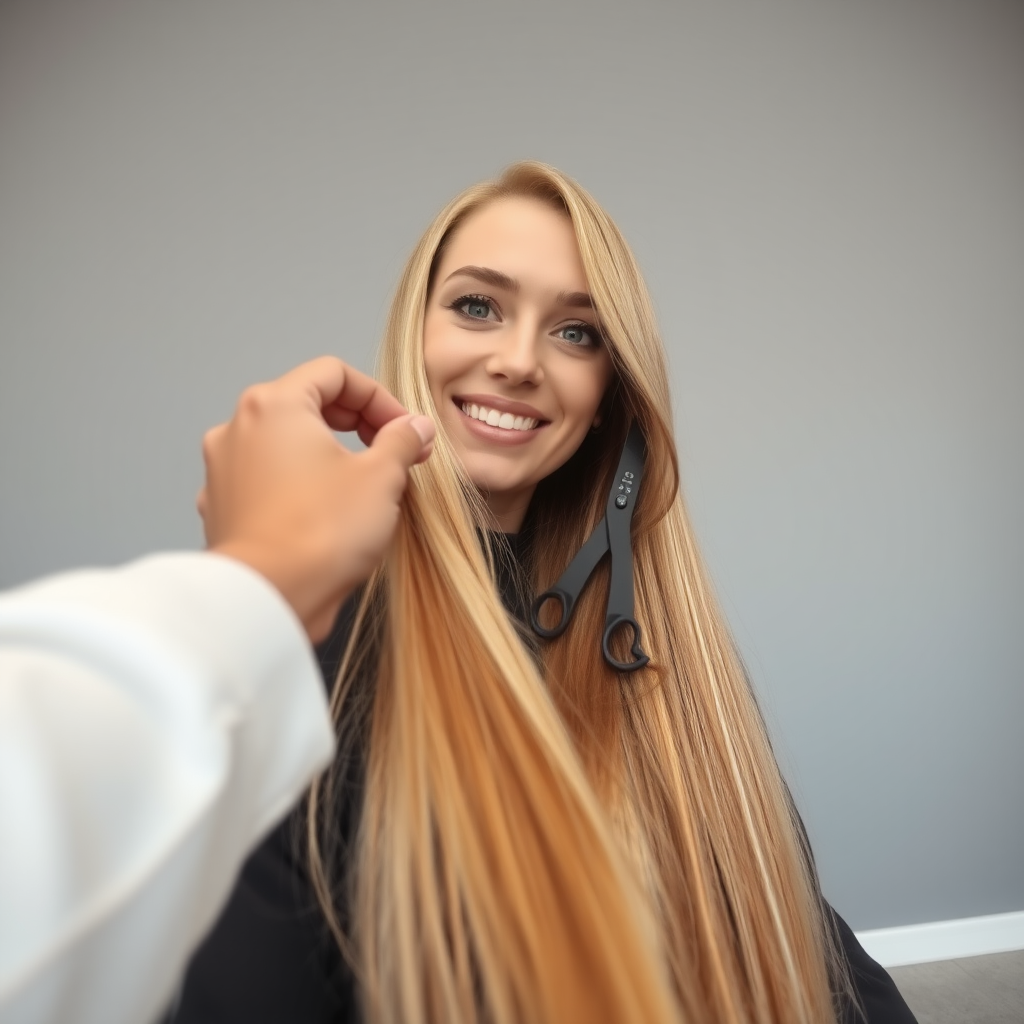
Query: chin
491	478
496	483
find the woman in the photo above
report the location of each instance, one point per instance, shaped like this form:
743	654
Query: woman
514	830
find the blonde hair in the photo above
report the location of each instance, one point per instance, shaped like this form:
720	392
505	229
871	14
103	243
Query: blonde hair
567	843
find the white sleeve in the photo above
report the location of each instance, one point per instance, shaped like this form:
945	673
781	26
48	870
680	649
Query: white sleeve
155	721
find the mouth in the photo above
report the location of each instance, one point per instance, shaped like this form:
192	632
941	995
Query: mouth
510	419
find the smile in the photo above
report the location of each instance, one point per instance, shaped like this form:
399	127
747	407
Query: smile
494	418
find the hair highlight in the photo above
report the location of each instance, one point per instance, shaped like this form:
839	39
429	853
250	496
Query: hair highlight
562	842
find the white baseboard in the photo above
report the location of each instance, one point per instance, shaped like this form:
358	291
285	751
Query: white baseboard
945	940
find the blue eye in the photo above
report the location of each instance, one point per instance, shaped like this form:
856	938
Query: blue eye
473	307
581	335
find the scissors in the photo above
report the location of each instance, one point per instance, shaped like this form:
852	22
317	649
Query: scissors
612	534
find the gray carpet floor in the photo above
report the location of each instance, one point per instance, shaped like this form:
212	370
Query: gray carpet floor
975	990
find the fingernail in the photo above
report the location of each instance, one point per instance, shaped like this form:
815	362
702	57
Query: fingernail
424	426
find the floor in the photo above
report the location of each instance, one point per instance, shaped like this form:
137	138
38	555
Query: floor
975	990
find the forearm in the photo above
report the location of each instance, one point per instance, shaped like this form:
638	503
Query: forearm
155	721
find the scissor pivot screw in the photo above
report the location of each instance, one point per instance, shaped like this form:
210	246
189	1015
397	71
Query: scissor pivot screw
621	501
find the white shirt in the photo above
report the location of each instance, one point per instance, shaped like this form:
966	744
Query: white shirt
155	722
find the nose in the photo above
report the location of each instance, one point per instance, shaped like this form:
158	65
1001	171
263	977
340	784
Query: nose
516	355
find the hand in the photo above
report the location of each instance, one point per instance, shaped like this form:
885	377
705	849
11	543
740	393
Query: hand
283	496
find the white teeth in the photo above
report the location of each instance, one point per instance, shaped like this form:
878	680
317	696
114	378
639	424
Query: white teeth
504	420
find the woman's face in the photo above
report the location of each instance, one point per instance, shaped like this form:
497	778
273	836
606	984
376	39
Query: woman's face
513	357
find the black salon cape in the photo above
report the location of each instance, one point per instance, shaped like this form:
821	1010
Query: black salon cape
271	960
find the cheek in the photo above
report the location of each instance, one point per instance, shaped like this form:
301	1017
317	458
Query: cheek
431	371
588	393
435	360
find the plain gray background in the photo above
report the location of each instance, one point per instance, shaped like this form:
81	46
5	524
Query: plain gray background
828	201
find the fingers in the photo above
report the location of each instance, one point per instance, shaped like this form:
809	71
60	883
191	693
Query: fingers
211	441
281	492
344	395
405	441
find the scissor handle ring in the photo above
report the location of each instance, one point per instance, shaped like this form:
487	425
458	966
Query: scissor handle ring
636	650
565	601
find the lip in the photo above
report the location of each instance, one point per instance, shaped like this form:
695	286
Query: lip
496	435
503	405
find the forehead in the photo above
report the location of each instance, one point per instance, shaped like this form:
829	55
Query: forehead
524	238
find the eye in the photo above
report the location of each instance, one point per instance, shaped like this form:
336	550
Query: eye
474	307
580	335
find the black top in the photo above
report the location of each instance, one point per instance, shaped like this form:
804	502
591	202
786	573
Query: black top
271	960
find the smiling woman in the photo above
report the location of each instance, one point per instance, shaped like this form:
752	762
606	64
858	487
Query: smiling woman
515	374
513	833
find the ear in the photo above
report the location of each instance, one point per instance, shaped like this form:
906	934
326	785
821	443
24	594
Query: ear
597	422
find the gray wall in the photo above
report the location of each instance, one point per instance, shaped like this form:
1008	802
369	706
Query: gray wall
828	199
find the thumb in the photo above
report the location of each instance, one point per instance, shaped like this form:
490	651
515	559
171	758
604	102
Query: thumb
406	440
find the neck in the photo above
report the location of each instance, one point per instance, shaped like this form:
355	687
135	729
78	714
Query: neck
508	511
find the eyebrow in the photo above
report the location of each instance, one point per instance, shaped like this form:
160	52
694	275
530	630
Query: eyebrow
577	300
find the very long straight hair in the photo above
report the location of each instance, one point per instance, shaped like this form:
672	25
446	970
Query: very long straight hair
564	843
